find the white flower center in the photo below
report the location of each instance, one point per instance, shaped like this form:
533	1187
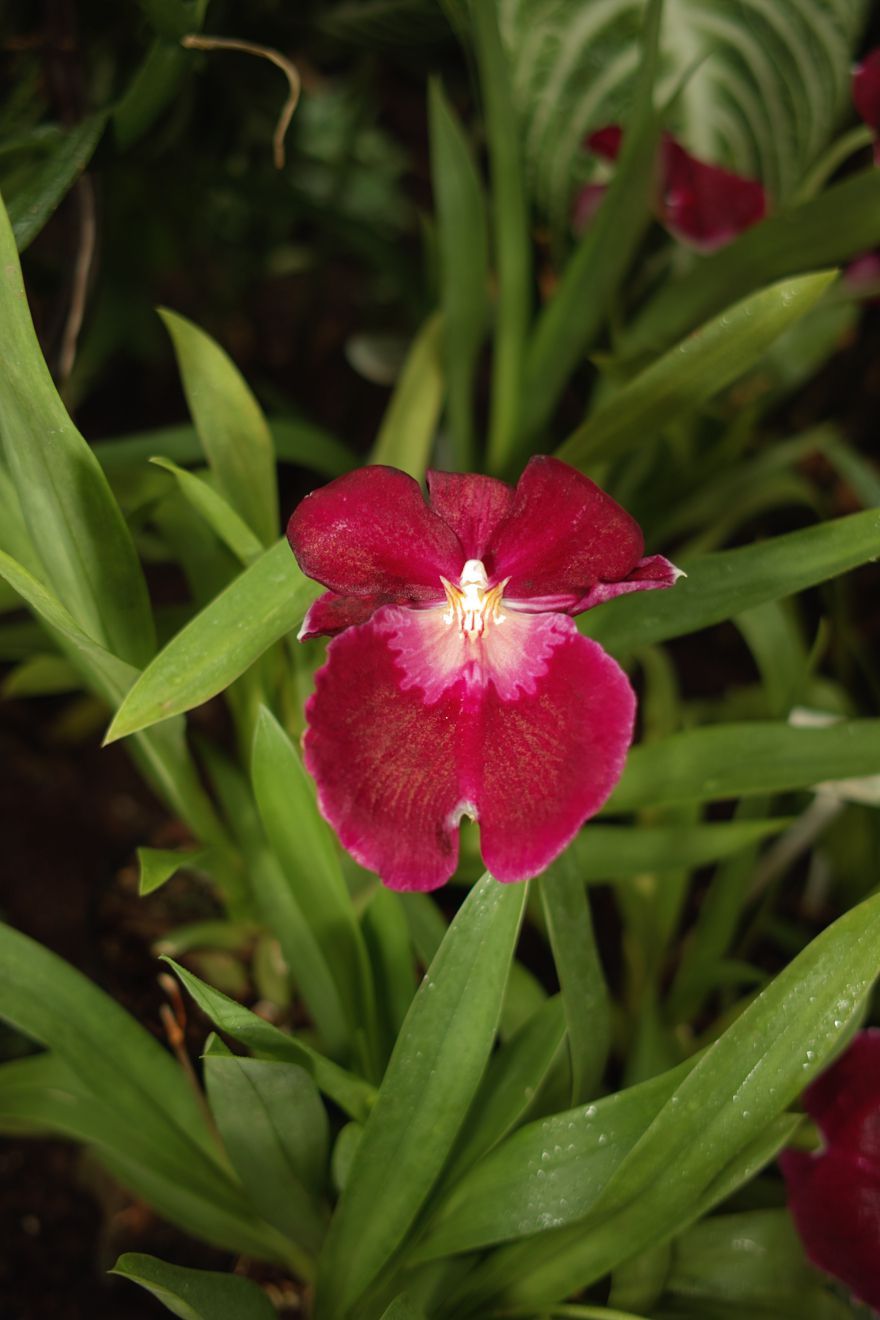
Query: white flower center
473	604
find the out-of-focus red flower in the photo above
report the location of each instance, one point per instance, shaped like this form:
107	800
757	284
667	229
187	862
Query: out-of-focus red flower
702	205
866	94
834	1195
457	683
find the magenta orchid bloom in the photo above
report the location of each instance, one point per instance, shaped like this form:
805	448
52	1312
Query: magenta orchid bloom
834	1196
866	94
456	683
700	204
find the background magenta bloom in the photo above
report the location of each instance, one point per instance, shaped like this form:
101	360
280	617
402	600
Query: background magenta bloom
458	683
866	94
700	204
834	1196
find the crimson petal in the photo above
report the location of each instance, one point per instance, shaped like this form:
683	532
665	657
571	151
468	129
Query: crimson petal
703	204
834	1195
412	727
649	573
331	614
472	505
370	533
866	89
562	537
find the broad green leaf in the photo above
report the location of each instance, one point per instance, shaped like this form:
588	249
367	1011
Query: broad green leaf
278	904
589	281
196	1294
722	585
608	852
548	1173
513	1079
230	424
352	1094
842	222
579	970
434	1072
220	516
410	422
266	601
309	858
725	761
40	1095
696	369
510	224
297	442
387	936
402	1308
158	865
161	753
274	1129
74	521
50	179
462	237
738	1087
154	85
762	87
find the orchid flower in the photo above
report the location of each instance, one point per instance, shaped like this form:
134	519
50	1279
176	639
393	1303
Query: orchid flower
457	683
866	94
700	204
834	1195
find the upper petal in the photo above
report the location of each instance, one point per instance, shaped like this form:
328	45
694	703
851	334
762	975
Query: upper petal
705	205
472	505
370	533
563	535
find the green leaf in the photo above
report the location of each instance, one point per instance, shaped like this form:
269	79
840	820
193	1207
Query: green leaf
725	761
591	278
352	1094
266	601
762	88
440	1056
158	865
844	221
581	979
196	1294
387	936
744	1080
511	237
230	424
299	442
609	852
550	1172
695	370
275	1131
402	1308
309	857
73	519
154	85
39	676
410	422
462	237
49	181
722	585
220	516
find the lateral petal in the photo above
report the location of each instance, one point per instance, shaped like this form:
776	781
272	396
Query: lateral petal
705	205
472	505
546	750
370	533
384	757
331	614
563	535
650	573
